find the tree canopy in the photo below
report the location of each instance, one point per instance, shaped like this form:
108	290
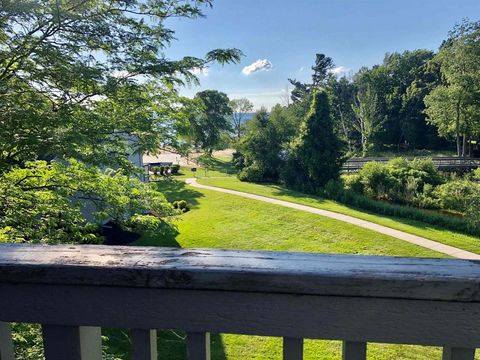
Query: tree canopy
240	110
70	71
211	120
86	84
454	105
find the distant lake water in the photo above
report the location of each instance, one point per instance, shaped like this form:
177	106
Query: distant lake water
247	116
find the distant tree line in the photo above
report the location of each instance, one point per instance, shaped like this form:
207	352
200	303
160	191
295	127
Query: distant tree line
413	100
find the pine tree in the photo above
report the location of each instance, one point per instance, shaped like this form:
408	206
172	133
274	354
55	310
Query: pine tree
316	154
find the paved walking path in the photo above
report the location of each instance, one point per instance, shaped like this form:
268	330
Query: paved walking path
417	240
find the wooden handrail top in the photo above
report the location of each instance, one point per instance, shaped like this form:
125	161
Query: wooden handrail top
246	271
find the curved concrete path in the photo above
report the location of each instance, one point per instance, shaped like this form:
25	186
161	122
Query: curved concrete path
417	240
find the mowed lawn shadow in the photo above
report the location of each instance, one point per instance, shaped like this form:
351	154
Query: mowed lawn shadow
171	344
178	190
222	166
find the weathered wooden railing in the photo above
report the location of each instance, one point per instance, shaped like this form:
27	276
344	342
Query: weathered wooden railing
442	163
74	290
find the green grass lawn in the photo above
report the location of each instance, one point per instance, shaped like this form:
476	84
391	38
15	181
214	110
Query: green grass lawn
467	242
219	220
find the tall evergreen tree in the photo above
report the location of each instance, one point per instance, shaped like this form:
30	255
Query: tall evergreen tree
316	154
321	73
321	69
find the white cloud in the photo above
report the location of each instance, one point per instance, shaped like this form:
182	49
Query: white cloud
200	71
339	70
259	65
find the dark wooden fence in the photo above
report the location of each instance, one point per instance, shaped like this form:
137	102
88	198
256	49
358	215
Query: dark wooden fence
442	163
73	291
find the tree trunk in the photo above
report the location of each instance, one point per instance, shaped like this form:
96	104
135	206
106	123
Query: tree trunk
345	131
457	129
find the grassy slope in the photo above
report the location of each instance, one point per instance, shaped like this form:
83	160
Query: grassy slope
467	242
221	220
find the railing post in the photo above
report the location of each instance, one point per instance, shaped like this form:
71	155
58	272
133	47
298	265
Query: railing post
292	348
72	342
6	343
198	345
353	350
455	353
144	344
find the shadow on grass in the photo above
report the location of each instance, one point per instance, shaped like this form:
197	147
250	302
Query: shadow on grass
215	164
171	344
178	190
163	236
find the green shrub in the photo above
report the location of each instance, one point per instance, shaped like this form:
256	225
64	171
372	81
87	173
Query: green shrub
427	199
458	194
333	189
411	178
238	160
376	180
144	222
175	168
353	182
28	341
400	181
181	205
427	171
473	213
476	174
360	201
253	173
417	183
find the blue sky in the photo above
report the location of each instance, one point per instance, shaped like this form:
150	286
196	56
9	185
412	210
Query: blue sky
288	34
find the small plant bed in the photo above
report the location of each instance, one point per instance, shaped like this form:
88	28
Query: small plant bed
181	205
157	173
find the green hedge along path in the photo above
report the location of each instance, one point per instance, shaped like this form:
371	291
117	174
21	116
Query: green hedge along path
414	239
